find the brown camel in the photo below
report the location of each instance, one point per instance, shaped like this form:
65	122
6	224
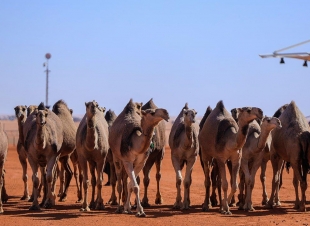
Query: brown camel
253	152
92	147
130	139
290	144
21	115
31	108
43	133
3	154
157	153
222	138
109	169
60	108
183	142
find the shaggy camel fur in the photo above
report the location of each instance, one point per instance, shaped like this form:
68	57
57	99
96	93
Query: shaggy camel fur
183	142
110	117
156	156
43	133
130	139
221	138
60	108
3	154
92	147
21	115
291	144
253	152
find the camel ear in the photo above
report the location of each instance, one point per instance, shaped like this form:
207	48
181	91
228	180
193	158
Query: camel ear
196	112
239	110
86	104
103	109
71	111
46	112
143	112
185	111
15	108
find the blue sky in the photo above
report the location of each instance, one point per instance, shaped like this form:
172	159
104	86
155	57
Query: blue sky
194	51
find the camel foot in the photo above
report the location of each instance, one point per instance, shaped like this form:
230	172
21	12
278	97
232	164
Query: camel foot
25	197
34	207
140	214
49	203
119	209
302	209
85	209
92	205
177	205
59	194
213	200
107	184
100	206
31	199
240	206
227	213
145	203
5	198
63	198
265	201
79	201
206	207
232	204
1	210
268	206
112	202
248	207
159	201
278	203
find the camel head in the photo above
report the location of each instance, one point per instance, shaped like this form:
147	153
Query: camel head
20	112
102	109
189	116
91	108
41	117
154	116
271	123
31	109
138	108
248	114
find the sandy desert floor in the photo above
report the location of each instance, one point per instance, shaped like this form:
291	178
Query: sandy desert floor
67	213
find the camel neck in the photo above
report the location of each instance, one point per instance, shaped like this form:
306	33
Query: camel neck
241	136
91	136
20	131
40	137
261	143
189	135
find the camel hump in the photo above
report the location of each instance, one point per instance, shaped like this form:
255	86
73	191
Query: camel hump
126	138
205	116
280	111
220	106
132	107
223	126
110	116
41	106
149	105
57	105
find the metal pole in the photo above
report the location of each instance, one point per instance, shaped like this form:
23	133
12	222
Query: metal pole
47	56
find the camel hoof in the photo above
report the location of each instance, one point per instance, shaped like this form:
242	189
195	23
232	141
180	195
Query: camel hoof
206	207
85	209
240	207
78	201
185	207
31	199
25	197
1	211
34	207
92	205
100	206
232	204
145	204
227	213
140	214
119	210
63	198
268	206
107	184
278	203
59	194
112	202
159	201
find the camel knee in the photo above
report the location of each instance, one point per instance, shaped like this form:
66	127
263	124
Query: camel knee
179	181
146	181
303	185
187	183
158	176
85	184
224	185
25	178
136	189
35	182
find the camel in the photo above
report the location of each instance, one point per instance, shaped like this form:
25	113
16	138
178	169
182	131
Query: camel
21	115
222	138
43	134
157	153
183	142
130	139
290	144
253	153
110	117
3	154
92	147
61	109
31	108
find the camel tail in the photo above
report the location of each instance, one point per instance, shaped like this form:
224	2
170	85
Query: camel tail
305	152
126	140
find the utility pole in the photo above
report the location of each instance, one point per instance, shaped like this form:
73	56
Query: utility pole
47	56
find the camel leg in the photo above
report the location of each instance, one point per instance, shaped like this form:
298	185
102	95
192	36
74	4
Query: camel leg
23	162
146	182
176	165
4	196
92	168
78	180
206	169
159	199
113	198
99	200
83	164
229	166
118	171
188	181
35	179
224	209
263	181
61	173
1	184
68	176
276	163
236	162
242	185
300	176
50	173
214	178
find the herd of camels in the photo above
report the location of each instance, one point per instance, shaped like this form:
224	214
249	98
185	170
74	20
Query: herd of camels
134	141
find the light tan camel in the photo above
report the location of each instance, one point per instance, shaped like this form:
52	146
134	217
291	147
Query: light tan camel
291	144
253	153
130	139
92	147
61	109
31	108
3	154
110	117
221	138
183	142
21	115
43	133
157	153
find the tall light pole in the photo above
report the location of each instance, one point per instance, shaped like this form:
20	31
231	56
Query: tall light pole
47	56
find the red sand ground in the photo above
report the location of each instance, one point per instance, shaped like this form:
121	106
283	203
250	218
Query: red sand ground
67	213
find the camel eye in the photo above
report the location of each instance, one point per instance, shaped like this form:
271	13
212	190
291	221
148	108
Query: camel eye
249	110
268	120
